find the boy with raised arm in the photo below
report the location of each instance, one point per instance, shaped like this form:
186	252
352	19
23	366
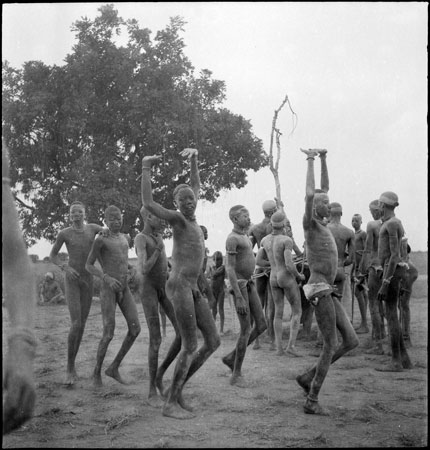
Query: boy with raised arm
191	309
151	277
240	267
322	255
112	253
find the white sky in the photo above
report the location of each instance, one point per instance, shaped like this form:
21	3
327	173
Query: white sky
355	73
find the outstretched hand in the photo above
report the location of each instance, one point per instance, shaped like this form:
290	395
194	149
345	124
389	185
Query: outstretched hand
189	152
310	152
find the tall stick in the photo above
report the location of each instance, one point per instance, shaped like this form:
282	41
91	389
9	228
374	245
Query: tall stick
276	134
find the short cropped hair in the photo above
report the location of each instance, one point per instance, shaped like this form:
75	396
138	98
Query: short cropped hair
179	187
77	202
357	215
217	254
234	211
111	208
374	204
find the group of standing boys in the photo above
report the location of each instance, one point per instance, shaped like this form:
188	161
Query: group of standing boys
328	248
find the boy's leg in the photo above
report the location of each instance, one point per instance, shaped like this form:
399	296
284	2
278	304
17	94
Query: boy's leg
149	301
129	310
108	306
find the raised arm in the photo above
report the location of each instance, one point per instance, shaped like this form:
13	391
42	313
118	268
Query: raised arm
192	153
324	171
146	191
310	187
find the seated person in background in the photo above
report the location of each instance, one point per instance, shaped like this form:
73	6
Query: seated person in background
50	291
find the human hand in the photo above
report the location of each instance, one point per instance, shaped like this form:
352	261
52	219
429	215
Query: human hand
322	153
189	152
240	304
279	203
19	393
71	273
301	277
149	161
310	153
113	283
104	232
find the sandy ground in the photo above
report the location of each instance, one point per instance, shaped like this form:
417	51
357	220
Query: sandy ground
367	408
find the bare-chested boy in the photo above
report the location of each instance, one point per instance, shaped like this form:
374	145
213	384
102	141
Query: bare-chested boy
262	271
360	285
240	267
111	251
151	277
78	281
277	247
345	243
218	288
390	237
322	256
370	265
191	309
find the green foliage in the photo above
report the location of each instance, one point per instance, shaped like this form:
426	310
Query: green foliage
80	131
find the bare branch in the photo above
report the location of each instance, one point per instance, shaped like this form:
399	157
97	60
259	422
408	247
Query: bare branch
23	204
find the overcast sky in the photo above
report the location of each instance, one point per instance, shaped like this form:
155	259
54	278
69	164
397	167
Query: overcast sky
355	74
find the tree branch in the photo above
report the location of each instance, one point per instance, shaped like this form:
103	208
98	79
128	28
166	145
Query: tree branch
23	204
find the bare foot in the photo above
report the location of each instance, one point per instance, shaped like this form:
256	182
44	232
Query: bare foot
406	363
257	345
183	404
292	351
280	352
313	407
175	411
362	329
70	379
155	401
228	363
239	381
114	373
392	367
272	347
377	350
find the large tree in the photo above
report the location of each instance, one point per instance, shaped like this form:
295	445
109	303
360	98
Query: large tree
80	130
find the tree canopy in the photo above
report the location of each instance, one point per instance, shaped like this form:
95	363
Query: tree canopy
79	131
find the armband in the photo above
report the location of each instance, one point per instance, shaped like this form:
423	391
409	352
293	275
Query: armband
386	280
311	157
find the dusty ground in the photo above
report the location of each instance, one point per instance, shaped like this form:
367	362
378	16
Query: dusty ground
368	408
